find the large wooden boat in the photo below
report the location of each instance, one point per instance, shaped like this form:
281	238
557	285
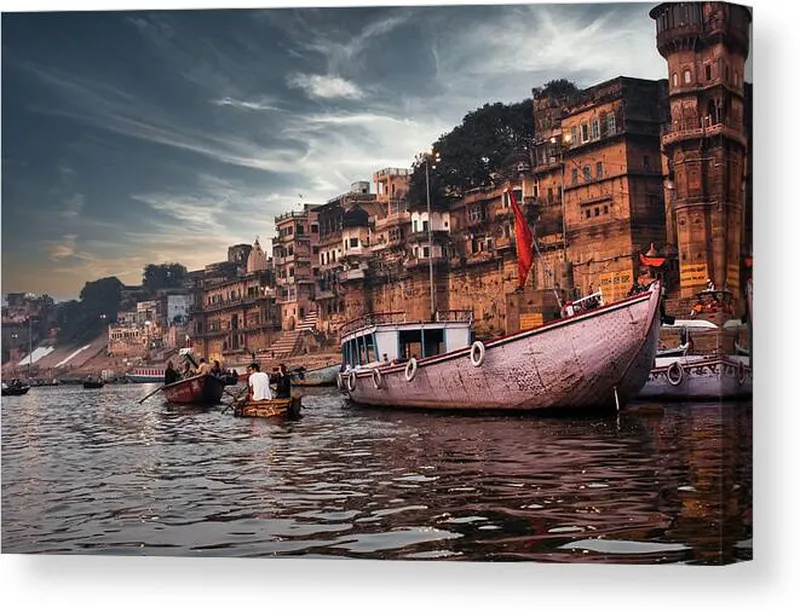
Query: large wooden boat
92	384
316	377
698	377
200	390
596	358
278	407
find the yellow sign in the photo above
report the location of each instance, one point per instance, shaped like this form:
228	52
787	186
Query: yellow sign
733	276
694	274
530	320
615	285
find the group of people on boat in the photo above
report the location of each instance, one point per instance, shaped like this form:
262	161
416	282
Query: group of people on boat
171	375
14	385
260	383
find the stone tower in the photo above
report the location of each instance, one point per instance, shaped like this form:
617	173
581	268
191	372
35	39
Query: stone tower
705	145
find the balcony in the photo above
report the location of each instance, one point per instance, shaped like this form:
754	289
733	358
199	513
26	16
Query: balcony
228	304
353	274
671	136
421	237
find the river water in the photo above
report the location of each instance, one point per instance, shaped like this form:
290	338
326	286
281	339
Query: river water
95	472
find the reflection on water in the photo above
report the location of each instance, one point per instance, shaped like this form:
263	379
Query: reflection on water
93	471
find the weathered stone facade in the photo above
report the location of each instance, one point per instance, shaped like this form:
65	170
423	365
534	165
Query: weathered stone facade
706	141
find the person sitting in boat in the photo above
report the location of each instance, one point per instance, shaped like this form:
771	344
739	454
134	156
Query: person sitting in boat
283	387
203	367
258	382
170	374
187	370
216	369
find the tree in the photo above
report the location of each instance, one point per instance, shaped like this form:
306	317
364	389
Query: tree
472	151
163	276
557	88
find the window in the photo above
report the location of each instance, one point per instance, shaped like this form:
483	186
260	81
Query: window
587	173
675	79
599	170
687	76
289	230
595	128
584	132
354	242
291	249
549	195
573	131
605	209
425	252
424	225
574	176
597	211
315	250
414	229
612	124
314	228
708	72
300	229
291	271
588	213
536	189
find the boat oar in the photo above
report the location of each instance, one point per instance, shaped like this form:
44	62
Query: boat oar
236	399
158	389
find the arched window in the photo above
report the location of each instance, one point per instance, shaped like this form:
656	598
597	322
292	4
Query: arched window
675	79
687	76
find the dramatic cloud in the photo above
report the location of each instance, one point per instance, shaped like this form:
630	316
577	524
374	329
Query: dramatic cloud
325	86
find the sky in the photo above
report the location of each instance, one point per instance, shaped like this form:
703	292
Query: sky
138	137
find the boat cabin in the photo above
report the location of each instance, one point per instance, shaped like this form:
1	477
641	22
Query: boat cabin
390	338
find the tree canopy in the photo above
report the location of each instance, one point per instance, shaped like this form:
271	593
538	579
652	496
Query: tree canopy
472	151
556	88
81	320
163	276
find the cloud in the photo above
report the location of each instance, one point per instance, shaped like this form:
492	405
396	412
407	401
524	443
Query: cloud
63	249
325	86
244	104
73	206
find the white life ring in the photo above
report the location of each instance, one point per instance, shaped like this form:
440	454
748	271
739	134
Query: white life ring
351	381
675	373
477	353
742	373
377	379
411	369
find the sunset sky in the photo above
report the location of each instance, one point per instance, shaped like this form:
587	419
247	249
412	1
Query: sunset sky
131	138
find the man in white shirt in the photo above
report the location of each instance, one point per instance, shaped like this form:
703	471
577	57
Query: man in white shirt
258	382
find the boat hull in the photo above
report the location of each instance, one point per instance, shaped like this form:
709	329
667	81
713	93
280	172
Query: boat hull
317	377
145	378
597	359
279	407
16	391
199	390
699	378
91	385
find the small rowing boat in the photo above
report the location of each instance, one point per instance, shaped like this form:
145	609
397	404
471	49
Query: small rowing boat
200	389
277	407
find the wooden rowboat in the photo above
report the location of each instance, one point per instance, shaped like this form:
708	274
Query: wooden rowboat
200	389
278	407
20	390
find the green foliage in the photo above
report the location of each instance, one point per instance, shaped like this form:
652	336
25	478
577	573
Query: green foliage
556	88
163	276
472	151
83	320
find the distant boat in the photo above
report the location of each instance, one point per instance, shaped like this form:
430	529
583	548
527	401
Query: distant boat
317	376
596	358
89	385
16	390
200	390
146	375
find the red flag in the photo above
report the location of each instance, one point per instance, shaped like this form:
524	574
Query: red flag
524	240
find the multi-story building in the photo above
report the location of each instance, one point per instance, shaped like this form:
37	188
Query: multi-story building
613	193
295	251
238	317
706	140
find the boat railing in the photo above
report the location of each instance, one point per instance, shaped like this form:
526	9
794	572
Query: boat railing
372	319
587	303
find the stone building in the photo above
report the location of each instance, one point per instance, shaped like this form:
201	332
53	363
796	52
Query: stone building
295	254
240	316
706	140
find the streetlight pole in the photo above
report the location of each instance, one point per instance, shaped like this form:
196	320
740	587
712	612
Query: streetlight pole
430	230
